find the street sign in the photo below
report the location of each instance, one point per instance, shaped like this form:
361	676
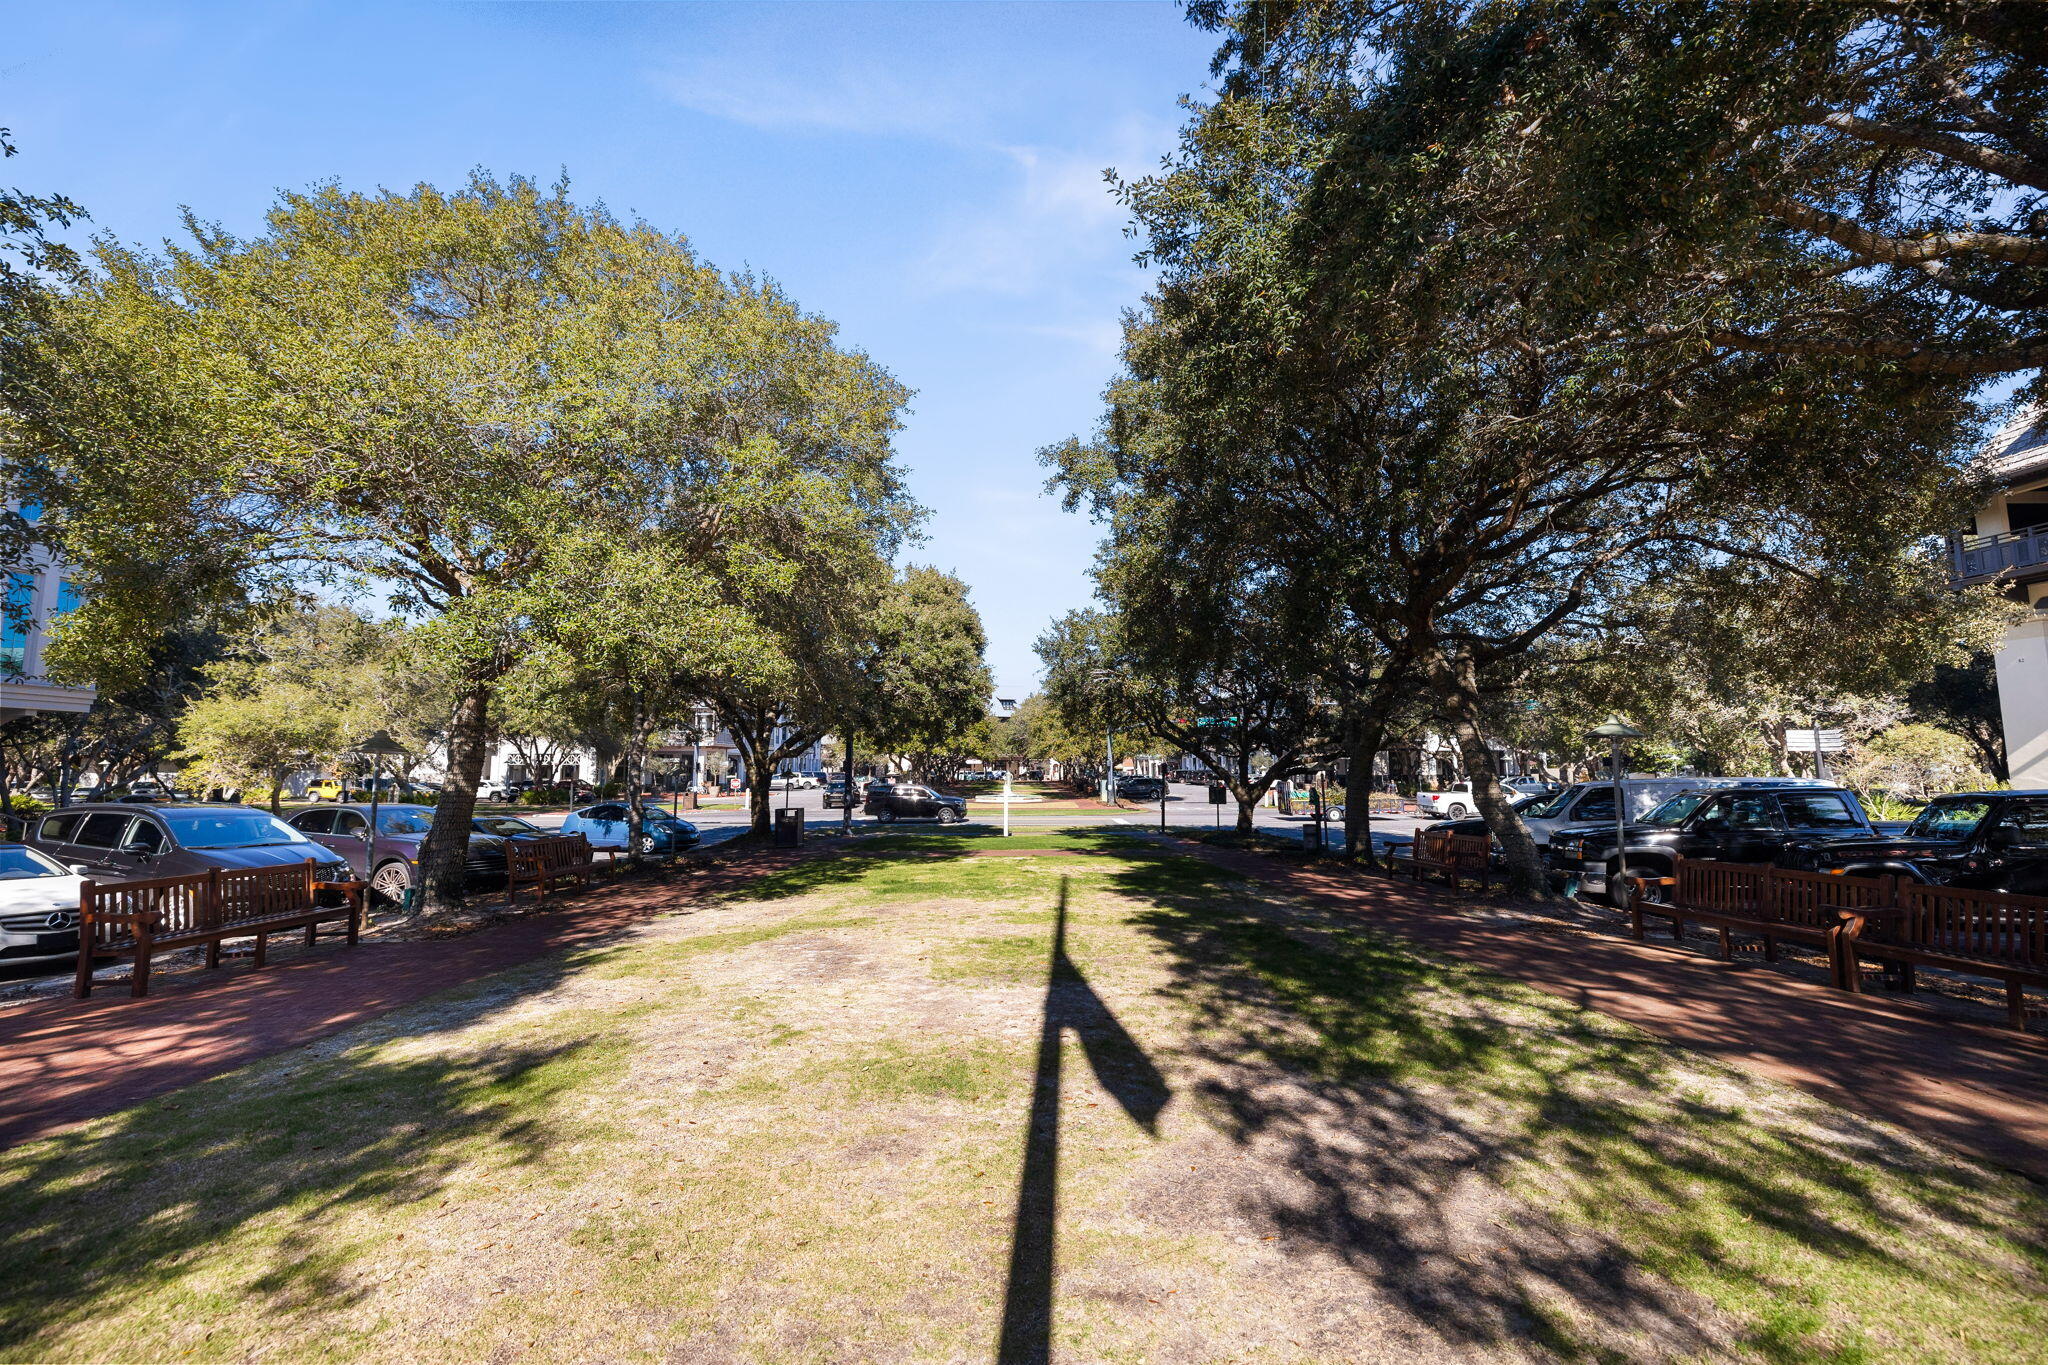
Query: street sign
1802	741
1218	793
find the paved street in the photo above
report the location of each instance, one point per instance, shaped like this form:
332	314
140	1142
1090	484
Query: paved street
1186	804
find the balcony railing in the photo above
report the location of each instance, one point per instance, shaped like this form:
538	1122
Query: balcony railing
2022	556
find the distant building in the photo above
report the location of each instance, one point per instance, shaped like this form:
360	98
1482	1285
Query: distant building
35	592
2009	545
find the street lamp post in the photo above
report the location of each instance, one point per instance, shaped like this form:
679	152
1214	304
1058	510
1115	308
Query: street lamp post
1617	732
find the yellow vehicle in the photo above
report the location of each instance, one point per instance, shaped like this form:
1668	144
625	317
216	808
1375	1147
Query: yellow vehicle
326	789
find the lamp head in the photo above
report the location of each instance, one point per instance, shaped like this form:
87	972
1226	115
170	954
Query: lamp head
1614	727
381	745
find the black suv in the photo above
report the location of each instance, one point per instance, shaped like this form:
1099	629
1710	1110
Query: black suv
1749	822
1987	841
908	801
1140	788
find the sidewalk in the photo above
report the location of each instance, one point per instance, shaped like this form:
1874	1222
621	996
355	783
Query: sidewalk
1980	1089
63	1061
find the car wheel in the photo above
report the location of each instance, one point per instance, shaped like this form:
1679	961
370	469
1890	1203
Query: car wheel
886	816
947	815
391	881
1457	810
646	844
1619	891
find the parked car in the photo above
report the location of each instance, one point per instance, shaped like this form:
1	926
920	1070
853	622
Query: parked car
108	841
890	801
1589	803
1986	841
1532	786
1455	802
796	782
326	789
38	907
1748	822
1141	788
390	863
508	827
608	825
835	792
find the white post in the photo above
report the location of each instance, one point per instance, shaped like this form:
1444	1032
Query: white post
1006	803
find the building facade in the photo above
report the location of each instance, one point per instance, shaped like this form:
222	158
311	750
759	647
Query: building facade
34	593
2009	546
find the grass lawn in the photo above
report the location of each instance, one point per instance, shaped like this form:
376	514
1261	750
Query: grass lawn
909	1104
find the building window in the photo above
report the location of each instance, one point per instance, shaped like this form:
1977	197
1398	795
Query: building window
69	598
14	623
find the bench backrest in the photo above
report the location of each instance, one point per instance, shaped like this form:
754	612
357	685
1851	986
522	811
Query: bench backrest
548	854
1469	848
200	901
1434	845
1724	888
1811	899
1991	925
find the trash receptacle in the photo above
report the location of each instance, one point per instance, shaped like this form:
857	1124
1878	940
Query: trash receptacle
689	800
1312	836
789	827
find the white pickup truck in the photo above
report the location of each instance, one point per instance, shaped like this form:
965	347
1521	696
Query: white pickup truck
1453	803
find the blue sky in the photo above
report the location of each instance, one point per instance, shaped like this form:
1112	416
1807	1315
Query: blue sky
928	175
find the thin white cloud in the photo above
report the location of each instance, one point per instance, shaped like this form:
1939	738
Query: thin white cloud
1058	216
871	101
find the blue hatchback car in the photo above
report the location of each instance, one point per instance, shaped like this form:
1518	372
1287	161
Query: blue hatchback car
605	826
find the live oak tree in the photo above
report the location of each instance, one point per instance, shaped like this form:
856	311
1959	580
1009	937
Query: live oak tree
1859	180
1480	428
420	394
924	691
1233	700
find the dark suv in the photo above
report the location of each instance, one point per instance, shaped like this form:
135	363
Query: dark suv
112	842
908	801
1140	788
1748	822
1987	841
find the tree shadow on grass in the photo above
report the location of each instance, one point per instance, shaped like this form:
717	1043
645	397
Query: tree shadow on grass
250	1170
1518	1171
1126	1073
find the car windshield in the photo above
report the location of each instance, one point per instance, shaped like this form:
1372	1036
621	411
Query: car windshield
1548	806
1948	819
404	822
18	863
507	825
1675	810
229	829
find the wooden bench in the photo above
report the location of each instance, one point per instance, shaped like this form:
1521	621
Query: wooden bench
1774	904
141	918
1975	933
1450	856
542	862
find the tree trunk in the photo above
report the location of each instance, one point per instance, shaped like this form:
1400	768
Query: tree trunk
1365	737
445	860
1455	681
277	791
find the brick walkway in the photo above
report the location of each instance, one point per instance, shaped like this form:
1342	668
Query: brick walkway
63	1061
1981	1089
